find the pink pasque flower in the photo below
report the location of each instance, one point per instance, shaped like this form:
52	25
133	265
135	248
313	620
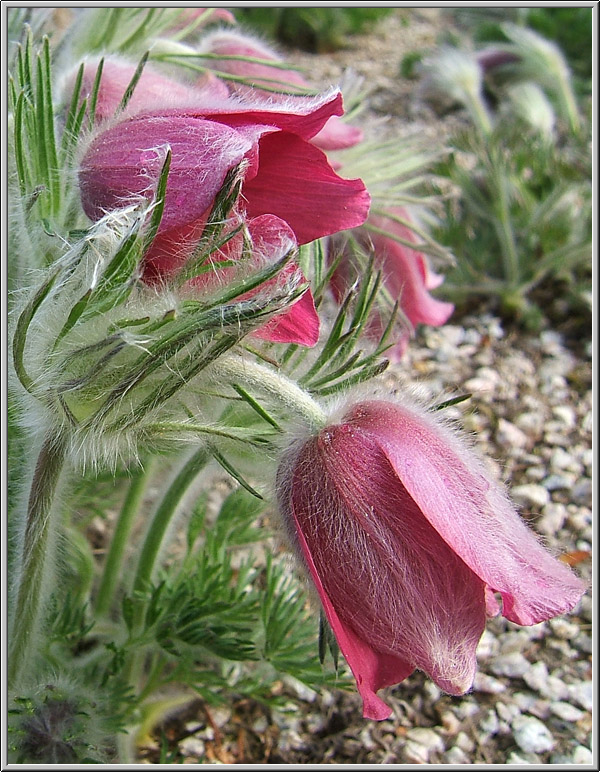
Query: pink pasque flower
283	173
406	539
153	90
334	135
407	275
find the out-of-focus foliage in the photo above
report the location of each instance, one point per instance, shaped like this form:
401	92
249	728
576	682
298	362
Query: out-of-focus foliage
319	29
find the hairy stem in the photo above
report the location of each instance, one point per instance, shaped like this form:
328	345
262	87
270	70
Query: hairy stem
38	547
287	393
114	559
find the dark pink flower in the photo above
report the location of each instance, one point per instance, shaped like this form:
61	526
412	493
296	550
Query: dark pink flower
283	173
334	135
407	275
406	538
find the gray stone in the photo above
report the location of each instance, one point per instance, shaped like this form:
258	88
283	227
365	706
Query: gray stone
487	684
552	519
456	756
510	436
582	694
513	665
531	735
566	711
530	495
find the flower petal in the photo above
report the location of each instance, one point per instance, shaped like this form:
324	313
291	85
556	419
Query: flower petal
296	182
386	572
471	512
125	161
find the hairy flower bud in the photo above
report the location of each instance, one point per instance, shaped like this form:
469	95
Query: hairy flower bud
406	539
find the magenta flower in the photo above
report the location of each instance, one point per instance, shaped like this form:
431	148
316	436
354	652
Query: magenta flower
271	239
406	539
407	275
284	174
335	134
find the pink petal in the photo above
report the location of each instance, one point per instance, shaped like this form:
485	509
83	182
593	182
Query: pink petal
337	135
471	512
299	324
153	90
125	161
407	275
391	579
303	117
296	183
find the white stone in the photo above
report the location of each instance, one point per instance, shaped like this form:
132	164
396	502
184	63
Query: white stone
582	755
563	460
530	495
531	735
566	415
564	629
522	758
427	737
464	742
552	519
566	711
487	684
582	694
513	665
488	645
456	756
508	435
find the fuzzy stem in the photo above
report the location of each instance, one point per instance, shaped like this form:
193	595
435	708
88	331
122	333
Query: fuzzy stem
163	516
114	559
37	555
286	392
150	550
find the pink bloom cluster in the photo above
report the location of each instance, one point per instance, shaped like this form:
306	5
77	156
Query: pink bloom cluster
407	540
216	124
284	174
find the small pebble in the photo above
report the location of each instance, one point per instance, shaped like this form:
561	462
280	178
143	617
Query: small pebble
566	711
530	495
487	684
456	756
564	629
510	436
522	758
552	519
582	694
531	735
513	665
582	755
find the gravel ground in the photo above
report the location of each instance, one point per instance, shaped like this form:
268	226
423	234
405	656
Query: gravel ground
531	414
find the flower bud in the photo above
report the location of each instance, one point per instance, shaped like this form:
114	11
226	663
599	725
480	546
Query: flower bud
406	539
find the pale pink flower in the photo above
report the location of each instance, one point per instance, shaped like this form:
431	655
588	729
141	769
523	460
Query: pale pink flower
406	538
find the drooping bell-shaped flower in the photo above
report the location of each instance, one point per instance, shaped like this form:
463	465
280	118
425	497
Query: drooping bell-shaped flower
407	539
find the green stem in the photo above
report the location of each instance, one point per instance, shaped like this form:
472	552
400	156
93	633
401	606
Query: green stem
283	390
37	554
163	516
114	559
505	233
150	550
